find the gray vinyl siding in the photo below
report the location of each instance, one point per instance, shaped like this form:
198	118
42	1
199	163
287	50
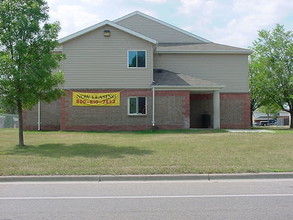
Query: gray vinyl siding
156	31
95	61
228	70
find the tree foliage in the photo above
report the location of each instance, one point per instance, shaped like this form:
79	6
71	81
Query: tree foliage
257	97
27	40
271	110
271	64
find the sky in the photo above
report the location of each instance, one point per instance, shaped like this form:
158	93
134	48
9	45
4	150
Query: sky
230	22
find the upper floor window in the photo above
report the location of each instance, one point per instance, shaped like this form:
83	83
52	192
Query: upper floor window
136	58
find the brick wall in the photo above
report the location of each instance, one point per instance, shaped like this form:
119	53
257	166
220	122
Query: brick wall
50	116
172	111
235	110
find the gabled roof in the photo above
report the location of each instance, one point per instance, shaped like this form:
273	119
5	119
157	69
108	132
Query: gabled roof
163	23
210	48
110	23
164	79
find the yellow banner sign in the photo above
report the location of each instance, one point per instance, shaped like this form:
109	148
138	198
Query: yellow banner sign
95	99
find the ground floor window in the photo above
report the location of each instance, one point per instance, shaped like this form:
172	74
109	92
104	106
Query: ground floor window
137	105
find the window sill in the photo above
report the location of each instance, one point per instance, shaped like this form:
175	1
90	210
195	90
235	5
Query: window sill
135	68
137	115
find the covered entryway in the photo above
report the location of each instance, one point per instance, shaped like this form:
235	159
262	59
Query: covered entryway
201	110
204	96
205	109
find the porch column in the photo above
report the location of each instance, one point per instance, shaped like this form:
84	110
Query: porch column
216	108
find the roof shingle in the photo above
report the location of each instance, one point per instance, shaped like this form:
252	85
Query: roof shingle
168	78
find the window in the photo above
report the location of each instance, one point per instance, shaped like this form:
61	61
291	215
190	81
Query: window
136	59
137	105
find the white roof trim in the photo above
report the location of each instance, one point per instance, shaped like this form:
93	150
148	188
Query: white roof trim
112	88
163	23
190	88
199	87
208	51
110	23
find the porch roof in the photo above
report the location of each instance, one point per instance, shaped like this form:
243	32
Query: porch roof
164	78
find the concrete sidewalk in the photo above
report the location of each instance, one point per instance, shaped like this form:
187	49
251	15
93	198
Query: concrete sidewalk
103	178
249	131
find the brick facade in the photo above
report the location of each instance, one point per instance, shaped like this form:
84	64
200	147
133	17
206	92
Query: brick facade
173	110
167	113
235	110
50	117
76	118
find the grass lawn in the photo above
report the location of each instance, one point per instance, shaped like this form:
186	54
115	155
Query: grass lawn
161	152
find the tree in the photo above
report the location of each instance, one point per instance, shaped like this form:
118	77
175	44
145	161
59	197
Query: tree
6	109
27	40
272	62
271	110
257	95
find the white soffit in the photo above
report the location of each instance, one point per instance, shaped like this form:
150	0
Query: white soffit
163	23
106	22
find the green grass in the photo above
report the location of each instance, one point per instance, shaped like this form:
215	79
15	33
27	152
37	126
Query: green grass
145	152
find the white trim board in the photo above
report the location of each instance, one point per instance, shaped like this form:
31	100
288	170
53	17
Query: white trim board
189	88
163	23
106	22
248	52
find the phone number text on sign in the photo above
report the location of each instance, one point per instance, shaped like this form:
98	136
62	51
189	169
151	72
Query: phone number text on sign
95	99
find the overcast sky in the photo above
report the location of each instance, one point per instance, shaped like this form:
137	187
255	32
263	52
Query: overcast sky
232	22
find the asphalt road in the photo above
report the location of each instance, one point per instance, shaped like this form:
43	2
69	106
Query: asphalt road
227	199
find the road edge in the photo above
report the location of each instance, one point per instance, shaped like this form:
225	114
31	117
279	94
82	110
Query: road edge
165	177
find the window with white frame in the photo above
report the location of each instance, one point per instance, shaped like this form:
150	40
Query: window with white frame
136	59
137	105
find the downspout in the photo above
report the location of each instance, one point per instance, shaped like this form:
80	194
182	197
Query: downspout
39	115
153	105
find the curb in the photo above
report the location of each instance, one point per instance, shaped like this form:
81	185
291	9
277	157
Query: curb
108	178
